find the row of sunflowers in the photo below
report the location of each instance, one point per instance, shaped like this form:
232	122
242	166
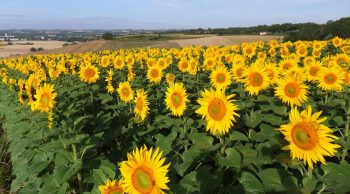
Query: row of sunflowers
201	107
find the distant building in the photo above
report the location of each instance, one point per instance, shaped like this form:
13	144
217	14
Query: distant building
8	38
263	33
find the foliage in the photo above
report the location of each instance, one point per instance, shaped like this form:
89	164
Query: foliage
93	130
107	36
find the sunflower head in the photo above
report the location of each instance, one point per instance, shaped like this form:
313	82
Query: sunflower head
144	171
45	98
111	187
309	140
176	99
291	90
89	73
218	110
125	92
154	74
256	79
331	78
141	104
220	78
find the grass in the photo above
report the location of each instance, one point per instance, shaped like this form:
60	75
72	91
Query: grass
5	163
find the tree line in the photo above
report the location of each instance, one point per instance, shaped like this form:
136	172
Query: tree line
291	32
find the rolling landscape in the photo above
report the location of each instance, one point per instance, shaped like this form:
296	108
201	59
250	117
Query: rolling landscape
174	96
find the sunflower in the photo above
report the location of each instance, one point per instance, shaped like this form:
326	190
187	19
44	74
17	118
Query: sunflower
109	80
256	79
291	91
176	99
336	41
218	110
45	97
141	104
220	78
111	187
154	74
331	78
249	50
272	72
89	73
342	59
237	72
193	66
312	69
105	61
309	140
118	62
131	74
170	78
125	92
144	172
287	64
209	63
184	65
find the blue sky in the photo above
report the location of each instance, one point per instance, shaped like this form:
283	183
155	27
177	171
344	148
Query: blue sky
164	14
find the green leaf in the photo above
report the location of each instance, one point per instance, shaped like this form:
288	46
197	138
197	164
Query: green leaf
336	176
272	179
251	183
232	158
274	120
248	155
237	136
189	183
164	143
201	141
253	119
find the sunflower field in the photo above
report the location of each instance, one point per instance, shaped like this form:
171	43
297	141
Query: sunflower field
262	117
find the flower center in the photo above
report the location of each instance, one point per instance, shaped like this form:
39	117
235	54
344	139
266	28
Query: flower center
90	73
184	65
239	72
330	78
313	70
304	135
220	78
292	90
256	79
125	91
217	109
286	66
248	51
154	73
271	73
116	191
176	99
142	180
139	103
45	99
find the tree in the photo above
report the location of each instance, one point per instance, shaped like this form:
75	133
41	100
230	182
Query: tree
107	36
32	49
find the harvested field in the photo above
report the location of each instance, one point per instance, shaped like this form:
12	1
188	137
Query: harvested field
23	47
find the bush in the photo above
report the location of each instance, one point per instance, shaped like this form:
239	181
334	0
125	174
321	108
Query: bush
40	49
33	49
107	36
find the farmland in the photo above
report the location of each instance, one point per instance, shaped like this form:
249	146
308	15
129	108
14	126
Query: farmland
248	116
132	41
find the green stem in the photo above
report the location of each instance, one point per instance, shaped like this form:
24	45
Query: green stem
223	145
346	133
80	180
